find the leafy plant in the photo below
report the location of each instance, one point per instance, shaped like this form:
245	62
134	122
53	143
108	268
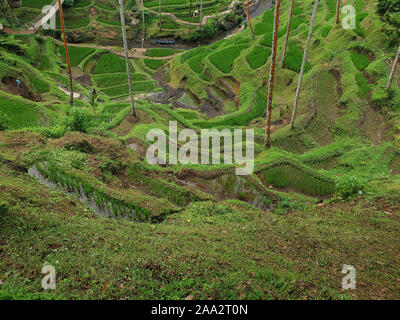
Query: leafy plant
349	186
77	121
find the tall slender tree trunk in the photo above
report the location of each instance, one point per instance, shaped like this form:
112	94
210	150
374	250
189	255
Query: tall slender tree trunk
287	33
190	15
201	13
396	60
71	91
337	12
128	69
159	14
272	75
143	29
246	5
296	100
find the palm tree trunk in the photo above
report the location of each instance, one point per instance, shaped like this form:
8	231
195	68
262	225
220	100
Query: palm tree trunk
143	29
337	12
71	91
201	13
287	33
296	100
128	69
390	81
246	5
272	74
159	14
190	14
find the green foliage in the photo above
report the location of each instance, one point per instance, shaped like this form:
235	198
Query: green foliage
266	25
325	31
17	114
110	63
349	186
78	120
389	10
196	63
160	52
258	57
153	64
4	121
294	59
363	85
360	60
225	58
76	54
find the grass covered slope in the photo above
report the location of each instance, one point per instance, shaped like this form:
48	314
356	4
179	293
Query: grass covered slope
217	251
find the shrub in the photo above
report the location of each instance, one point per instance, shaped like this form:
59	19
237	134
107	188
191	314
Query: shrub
77	121
348	187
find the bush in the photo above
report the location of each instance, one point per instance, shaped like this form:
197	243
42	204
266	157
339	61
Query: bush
389	10
77	121
348	187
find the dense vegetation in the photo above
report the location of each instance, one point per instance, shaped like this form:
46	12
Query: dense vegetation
77	192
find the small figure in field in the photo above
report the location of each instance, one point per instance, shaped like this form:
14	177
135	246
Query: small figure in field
18	83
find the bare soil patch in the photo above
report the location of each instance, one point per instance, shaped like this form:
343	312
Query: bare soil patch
23	90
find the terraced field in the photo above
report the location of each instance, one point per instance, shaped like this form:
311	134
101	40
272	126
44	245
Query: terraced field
326	193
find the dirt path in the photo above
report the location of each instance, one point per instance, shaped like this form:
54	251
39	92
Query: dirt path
138	53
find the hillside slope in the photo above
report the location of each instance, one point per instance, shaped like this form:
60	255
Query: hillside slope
77	192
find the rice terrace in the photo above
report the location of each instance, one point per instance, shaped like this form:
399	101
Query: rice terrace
199	150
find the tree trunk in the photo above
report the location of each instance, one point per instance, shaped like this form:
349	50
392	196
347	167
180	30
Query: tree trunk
287	33
337	12
159	14
390	81
201	13
246	5
71	91
143	29
190	14
272	75
128	69
304	63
